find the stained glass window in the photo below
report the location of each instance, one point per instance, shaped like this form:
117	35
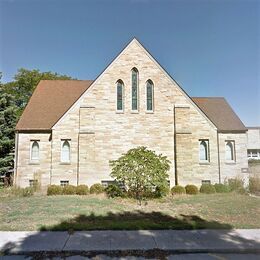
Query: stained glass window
134	89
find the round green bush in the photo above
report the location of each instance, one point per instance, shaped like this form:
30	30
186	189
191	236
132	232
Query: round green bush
96	188
191	189
82	190
69	190
54	190
178	190
113	191
207	189
221	188
162	190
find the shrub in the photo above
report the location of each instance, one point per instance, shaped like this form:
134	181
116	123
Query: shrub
82	190
69	190
191	189
140	170
178	190
221	188
27	192
96	188
162	190
113	191
207	189
54	190
254	184
241	190
235	184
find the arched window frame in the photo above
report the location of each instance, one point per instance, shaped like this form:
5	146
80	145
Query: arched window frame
150	98
204	158
63	157
135	97
118	108
230	151
34	151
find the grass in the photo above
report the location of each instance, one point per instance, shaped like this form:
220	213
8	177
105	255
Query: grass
94	212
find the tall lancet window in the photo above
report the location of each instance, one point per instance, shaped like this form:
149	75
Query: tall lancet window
149	95
120	93
65	151
204	150
35	151
134	89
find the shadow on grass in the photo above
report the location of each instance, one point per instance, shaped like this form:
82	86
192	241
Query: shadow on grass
136	220
146	241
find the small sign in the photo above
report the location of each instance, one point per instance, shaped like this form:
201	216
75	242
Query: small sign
244	169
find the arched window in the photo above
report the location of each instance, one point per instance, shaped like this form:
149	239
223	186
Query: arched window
35	150
204	151
134	89
120	92
149	95
65	151
230	150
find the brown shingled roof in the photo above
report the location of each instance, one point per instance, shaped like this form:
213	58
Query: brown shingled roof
220	113
49	102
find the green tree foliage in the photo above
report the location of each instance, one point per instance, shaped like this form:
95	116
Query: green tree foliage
25	81
141	170
8	118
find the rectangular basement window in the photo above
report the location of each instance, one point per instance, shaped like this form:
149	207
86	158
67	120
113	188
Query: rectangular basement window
33	183
64	183
205	182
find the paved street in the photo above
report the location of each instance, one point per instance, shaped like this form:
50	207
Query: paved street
173	244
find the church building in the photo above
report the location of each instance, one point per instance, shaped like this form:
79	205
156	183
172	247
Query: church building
71	129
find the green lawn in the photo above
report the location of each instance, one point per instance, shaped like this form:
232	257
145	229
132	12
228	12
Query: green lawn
98	212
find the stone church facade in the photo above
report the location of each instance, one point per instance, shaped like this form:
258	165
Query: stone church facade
71	129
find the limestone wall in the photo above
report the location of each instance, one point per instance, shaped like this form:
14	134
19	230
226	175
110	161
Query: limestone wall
27	169
240	166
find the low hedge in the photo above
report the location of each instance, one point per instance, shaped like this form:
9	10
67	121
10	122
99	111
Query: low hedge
96	188
178	190
221	188
69	190
207	189
82	190
235	184
54	190
191	189
114	190
162	190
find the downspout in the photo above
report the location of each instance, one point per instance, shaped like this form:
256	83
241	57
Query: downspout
51	157
16	156
78	152
219	175
175	149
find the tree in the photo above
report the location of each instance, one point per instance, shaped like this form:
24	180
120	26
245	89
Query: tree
8	118
25	82
141	170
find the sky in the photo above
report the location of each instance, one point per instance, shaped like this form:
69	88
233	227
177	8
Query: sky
210	47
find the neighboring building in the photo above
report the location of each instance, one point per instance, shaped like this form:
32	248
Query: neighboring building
70	129
253	143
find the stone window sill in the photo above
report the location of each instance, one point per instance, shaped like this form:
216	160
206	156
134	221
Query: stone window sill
119	111
149	112
65	163
34	163
204	163
230	163
134	112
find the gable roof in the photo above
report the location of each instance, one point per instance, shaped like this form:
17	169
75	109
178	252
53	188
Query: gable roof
220	113
49	102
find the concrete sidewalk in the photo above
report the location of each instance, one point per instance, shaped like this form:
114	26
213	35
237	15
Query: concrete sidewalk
178	241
